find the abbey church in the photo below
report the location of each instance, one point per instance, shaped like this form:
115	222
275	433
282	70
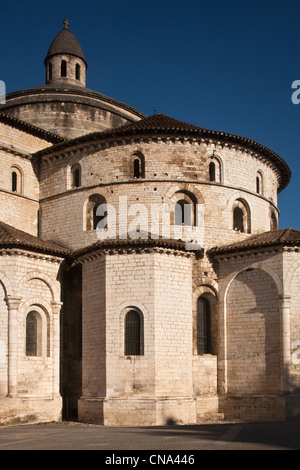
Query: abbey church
143	277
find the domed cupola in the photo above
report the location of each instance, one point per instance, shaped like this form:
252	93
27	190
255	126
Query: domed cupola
65	62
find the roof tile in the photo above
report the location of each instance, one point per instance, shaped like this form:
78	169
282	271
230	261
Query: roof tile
11	237
282	237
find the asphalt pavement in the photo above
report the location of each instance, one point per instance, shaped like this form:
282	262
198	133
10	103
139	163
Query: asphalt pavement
116	442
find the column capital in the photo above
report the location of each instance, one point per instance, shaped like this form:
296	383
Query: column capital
12	302
56	307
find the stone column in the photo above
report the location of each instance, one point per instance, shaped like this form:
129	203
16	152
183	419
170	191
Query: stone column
285	301
13	306
56	308
222	348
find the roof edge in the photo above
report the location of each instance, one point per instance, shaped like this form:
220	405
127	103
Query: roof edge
30	128
139	243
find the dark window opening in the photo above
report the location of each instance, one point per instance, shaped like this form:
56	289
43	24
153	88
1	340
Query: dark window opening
203	326
50	71
31	334
212	171
63	68
14	181
137	168
76	178
133	334
97	219
258	185
77	72
238	219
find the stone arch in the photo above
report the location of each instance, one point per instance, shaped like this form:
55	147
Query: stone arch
7	285
188	193
53	285
187	188
256	265
252	332
290	275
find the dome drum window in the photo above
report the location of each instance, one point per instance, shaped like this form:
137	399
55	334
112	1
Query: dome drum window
76	176
138	165
77	72
241	216
215	169
92	216
185	208
259	183
63	68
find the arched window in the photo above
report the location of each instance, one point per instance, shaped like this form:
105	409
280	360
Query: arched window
203	326
273	222
33	334
241	216
215	169
238	219
212	171
77	72
76	176
14	181
63	68
257	185
93	215
133	334
138	166
183	213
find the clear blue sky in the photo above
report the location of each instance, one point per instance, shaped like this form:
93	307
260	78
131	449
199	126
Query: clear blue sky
223	65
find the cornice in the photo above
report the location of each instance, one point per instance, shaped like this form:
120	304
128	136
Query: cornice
131	246
8	252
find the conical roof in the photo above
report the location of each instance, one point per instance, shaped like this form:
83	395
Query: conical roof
65	43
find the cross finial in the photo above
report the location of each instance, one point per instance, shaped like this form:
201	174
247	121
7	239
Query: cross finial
66	23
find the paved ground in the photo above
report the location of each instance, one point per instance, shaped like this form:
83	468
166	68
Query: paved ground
193	438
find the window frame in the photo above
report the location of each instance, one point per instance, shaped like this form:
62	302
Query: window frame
204	337
34	314
63	68
129	348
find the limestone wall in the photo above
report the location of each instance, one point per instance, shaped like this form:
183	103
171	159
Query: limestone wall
29	284
171	169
